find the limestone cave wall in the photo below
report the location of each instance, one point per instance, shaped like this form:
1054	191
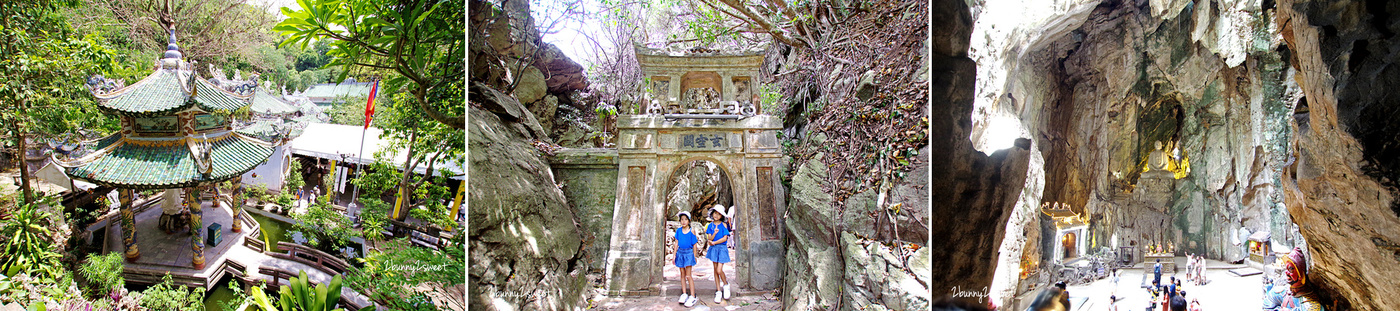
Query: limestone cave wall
1341	188
1097	84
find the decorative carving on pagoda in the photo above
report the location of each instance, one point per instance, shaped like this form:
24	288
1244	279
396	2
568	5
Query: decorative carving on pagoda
102	85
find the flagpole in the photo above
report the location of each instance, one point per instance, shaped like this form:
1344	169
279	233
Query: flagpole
356	193
374	91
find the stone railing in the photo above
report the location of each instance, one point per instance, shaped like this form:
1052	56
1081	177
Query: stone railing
311	257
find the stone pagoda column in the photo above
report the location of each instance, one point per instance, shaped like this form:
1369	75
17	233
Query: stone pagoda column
193	202
128	225
237	203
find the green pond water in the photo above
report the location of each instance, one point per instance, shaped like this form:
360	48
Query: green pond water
218	295
274	231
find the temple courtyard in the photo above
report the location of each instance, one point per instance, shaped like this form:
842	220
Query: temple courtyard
1224	291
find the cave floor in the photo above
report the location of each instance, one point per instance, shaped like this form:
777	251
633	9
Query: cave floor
703	273
1224	292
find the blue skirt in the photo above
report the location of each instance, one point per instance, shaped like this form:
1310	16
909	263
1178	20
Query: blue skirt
718	253
685	258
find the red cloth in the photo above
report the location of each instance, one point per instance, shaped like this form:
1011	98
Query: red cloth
369	106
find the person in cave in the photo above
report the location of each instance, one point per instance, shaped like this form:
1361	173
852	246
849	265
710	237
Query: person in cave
1171	287
1157	274
1051	298
685	259
1178	303
718	252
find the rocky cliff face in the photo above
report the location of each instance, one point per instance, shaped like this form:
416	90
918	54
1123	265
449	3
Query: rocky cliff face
526	244
1341	189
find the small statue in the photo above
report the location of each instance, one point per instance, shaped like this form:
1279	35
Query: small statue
1157	159
1299	294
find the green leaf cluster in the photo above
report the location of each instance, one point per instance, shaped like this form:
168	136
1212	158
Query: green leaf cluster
168	296
300	295
390	272
103	273
326	229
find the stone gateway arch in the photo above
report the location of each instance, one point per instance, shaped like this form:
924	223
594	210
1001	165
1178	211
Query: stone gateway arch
708	114
649	150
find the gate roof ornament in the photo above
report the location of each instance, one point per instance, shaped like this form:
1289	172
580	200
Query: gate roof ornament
704	84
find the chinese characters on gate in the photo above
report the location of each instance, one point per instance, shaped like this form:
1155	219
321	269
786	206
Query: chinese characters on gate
707	141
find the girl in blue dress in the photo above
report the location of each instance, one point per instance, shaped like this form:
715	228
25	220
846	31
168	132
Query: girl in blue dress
685	259
718	252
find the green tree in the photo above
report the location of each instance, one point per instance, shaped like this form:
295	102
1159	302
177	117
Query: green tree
390	272
418	44
428	144
43	65
294	179
326	229
209	31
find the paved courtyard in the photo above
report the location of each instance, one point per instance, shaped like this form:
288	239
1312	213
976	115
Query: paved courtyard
1224	292
703	273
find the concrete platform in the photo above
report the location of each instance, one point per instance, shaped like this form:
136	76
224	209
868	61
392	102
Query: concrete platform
161	252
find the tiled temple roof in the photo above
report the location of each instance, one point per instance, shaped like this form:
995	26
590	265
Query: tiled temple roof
268	104
165	92
134	163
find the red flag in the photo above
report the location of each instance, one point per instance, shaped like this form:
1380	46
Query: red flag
369	106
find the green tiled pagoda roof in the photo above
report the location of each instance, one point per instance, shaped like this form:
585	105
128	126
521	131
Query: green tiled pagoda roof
212	98
266	130
167	164
163	93
345	89
158	94
266	103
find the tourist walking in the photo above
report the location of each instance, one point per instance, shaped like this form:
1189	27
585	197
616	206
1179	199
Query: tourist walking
685	259
719	251
1157	274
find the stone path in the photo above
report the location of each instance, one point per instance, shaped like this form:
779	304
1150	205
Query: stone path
703	274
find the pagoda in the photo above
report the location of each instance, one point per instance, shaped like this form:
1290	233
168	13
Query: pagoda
176	134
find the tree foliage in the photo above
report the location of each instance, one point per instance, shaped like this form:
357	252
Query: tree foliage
416	44
325	229
209	31
103	273
390	273
43	64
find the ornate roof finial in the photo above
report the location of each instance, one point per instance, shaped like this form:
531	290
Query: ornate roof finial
172	50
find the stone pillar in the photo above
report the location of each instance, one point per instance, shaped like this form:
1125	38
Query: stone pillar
675	92
128	225
726	82
192	202
237	203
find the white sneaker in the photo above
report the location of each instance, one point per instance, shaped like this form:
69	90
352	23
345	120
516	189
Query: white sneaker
726	291
683	298
718	295
690	302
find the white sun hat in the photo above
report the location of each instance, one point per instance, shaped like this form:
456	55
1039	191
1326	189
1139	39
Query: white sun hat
687	215
721	210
